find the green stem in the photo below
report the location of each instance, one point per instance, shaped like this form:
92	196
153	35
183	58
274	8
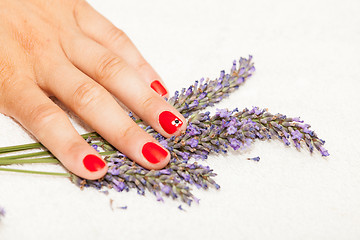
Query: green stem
27	155
35	172
107	153
8	161
31	160
37	145
20	147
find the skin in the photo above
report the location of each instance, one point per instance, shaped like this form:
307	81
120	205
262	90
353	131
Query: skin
64	48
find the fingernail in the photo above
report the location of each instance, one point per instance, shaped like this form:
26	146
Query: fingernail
153	152
93	163
169	122
158	87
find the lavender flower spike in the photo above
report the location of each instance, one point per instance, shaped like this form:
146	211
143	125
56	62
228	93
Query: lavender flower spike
203	94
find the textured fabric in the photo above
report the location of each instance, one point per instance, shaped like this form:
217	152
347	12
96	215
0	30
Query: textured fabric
306	55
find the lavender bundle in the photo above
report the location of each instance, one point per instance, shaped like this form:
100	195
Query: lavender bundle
205	134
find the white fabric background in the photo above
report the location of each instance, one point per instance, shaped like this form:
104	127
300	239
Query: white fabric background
307	58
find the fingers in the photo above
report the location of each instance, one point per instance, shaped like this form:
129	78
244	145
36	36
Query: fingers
50	125
100	110
122	80
95	26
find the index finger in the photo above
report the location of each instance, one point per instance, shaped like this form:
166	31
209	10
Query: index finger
98	28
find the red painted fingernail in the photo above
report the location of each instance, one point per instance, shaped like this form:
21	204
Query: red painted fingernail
158	87
169	122
153	152
93	163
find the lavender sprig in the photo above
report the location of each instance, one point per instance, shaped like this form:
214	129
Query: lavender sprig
124	174
205	134
238	130
206	93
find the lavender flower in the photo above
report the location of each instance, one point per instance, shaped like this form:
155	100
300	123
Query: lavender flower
207	93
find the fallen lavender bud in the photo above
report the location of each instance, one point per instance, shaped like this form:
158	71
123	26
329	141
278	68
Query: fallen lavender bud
256	159
181	208
2	212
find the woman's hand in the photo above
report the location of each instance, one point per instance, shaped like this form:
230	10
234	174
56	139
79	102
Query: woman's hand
64	48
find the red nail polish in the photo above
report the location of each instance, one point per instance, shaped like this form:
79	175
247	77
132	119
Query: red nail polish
158	87
153	152
169	122
93	163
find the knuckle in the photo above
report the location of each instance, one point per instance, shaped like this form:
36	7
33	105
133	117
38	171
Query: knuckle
147	102
78	5
43	115
117	36
86	96
142	65
6	80
10	84
128	132
27	40
109	66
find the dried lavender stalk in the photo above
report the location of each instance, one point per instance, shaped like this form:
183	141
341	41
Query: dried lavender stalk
238	130
203	94
124	174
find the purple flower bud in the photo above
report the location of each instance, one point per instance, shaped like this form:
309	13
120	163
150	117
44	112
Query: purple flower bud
195	103
119	185
286	141
165	171
184	155
223	113
222	74
240	80
189	91
192	142
218	87
297	135
164	143
2	212
234	143
180	207
192	131
202	95
252	69
114	171
256	159
297	119
233	67
122	207
95	147
158	196
241	71
231	130
166	189
323	151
